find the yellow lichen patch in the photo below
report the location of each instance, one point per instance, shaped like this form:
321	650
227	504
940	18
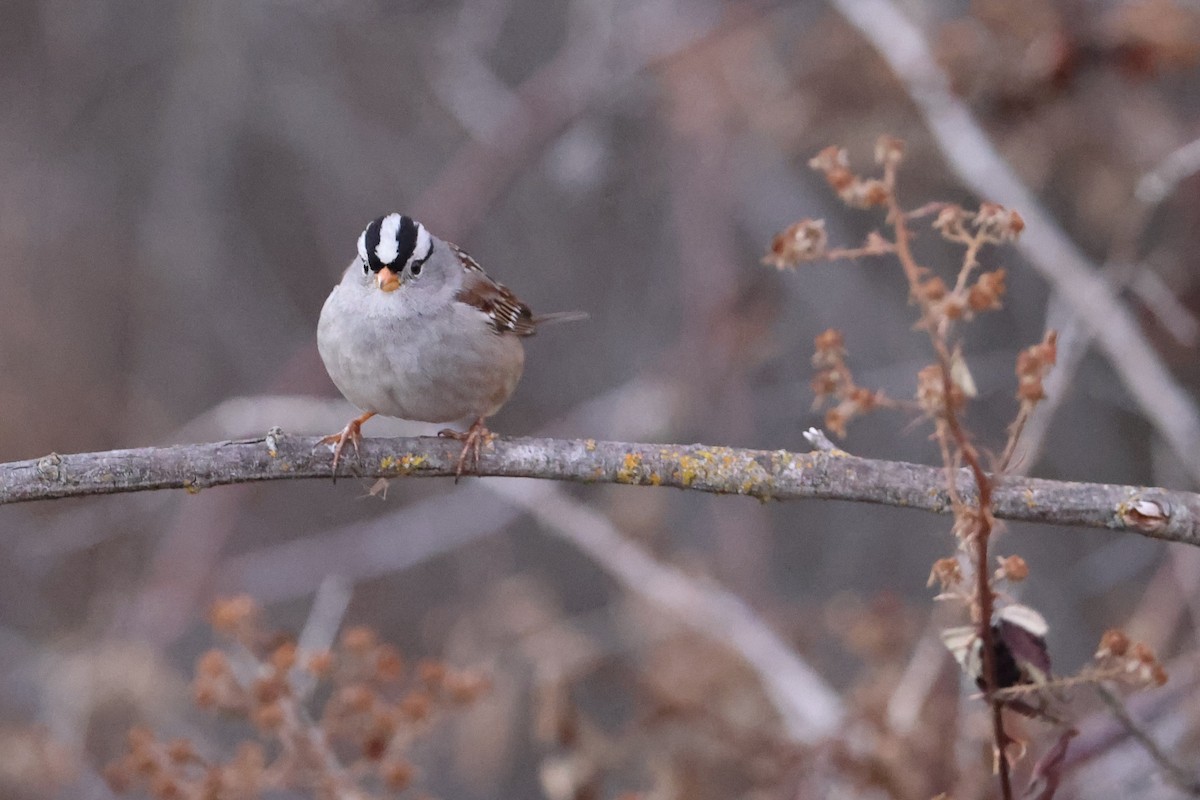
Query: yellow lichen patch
689	468
403	465
589	445
190	487
409	462
628	473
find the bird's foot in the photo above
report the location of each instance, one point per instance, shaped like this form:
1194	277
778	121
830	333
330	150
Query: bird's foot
473	439
352	433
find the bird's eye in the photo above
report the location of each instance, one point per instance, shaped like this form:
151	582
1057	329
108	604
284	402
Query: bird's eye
366	267
415	269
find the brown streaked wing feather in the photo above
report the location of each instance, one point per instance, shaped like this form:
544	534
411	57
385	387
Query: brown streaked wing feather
505	312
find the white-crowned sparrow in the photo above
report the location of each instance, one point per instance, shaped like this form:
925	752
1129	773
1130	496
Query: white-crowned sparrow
416	329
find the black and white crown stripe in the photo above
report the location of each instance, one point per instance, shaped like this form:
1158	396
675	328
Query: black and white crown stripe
394	241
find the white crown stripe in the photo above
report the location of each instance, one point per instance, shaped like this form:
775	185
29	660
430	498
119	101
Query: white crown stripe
424	244
389	247
362	246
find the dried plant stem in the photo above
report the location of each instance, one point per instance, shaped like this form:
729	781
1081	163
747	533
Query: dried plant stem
950	431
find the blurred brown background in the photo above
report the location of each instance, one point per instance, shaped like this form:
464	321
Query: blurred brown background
182	183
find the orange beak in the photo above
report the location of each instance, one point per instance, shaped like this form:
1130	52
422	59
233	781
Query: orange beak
387	280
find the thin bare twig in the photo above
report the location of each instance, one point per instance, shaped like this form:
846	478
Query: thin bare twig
1184	779
763	474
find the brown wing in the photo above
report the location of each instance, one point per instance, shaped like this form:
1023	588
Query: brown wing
506	314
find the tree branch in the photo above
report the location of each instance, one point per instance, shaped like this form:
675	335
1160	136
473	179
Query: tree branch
766	475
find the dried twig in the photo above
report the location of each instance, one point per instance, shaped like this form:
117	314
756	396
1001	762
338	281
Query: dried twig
1187	780
766	475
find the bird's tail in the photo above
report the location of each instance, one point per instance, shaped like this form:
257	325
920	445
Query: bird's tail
559	316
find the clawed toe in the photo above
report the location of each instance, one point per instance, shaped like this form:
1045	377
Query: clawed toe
473	439
352	433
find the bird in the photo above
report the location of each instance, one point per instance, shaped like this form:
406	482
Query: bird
417	330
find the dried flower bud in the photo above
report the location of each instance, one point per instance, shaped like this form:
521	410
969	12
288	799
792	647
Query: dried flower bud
213	664
283	657
998	223
932	289
985	294
801	241
947	572
432	674
889	151
359	639
931	396
397	775
233	616
389	664
166	787
139	739
204	695
825	383
181	751
952	307
1031	390
876	244
829	348
835	165
250	755
1142	652
835	421
1114	643
831	158
416	705
864	193
268	690
951	222
321	663
1032	365
118	777
356	698
268	717
1158	675
1012	568
864	399
466	687
375	745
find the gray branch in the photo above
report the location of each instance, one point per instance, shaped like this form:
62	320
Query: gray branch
766	475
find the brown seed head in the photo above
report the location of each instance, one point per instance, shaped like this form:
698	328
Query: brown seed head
233	616
801	241
889	151
1114	642
359	639
1013	568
